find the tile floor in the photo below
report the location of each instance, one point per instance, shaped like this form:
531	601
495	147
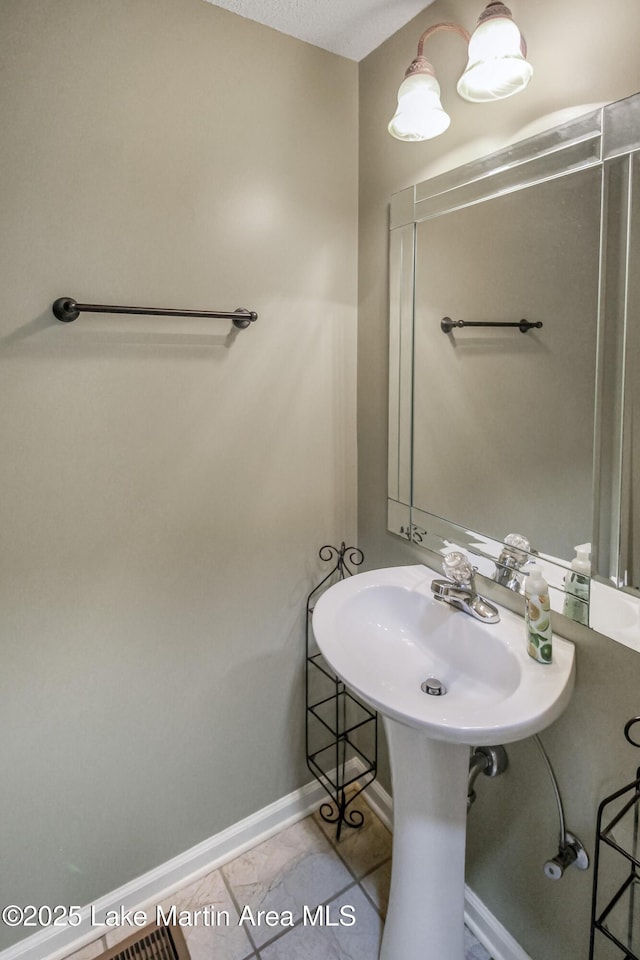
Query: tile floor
302	866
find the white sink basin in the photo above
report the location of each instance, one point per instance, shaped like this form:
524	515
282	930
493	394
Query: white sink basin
384	634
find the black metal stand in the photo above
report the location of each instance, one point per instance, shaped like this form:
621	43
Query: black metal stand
334	714
619	920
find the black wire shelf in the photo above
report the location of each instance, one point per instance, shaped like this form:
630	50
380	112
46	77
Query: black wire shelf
615	913
341	731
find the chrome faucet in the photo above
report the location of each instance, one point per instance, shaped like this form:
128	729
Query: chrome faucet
459	588
514	555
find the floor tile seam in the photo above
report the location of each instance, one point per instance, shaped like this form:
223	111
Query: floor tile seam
234	901
370	899
343	859
345	864
373	869
377	907
309	849
353	873
336	849
299	922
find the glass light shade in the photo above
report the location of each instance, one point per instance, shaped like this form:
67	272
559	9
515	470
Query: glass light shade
419	115
496	67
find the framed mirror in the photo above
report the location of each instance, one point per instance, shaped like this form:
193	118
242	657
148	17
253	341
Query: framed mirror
514	356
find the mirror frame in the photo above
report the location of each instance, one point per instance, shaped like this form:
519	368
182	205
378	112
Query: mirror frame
607	138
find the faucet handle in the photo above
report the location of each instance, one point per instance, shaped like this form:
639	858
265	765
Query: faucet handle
458	567
513	558
516	548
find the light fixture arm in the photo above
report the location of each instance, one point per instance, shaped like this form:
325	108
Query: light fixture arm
421	64
493	9
436	28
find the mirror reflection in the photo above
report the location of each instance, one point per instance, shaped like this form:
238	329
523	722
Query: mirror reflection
505	419
496	430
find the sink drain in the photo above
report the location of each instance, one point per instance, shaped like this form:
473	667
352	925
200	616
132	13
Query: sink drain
434	687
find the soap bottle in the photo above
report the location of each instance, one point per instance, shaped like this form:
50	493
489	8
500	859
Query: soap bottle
576	586
537	616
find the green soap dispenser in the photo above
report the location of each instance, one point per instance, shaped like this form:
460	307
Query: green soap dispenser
537	616
577	585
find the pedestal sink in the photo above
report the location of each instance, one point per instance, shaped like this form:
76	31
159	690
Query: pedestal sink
384	634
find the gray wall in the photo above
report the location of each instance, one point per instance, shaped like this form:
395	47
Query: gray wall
164	495
580	58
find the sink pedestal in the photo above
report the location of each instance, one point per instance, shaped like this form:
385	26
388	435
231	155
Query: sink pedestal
425	917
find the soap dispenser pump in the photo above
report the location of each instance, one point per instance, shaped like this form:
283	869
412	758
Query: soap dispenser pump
577	585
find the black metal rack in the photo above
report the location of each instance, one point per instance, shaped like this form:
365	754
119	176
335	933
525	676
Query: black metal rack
335	718
618	921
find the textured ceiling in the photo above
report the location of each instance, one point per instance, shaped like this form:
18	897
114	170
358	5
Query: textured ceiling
351	28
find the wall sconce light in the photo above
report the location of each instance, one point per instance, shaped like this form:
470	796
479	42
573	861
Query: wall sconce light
497	68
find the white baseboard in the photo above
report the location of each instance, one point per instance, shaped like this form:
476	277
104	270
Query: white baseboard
55	943
489	931
156	885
